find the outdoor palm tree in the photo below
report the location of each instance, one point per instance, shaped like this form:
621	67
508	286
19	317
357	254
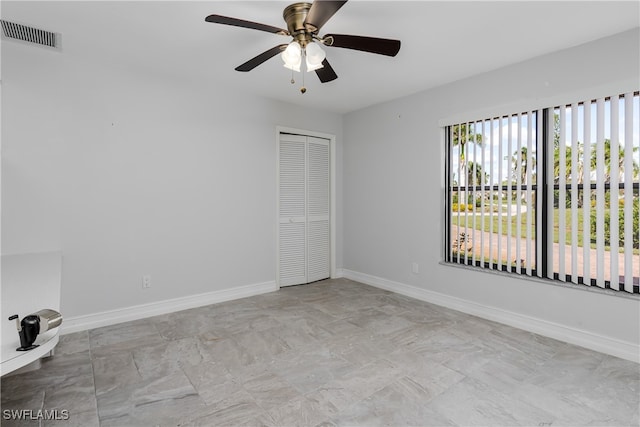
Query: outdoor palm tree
522	159
461	135
568	156
609	168
567	163
476	175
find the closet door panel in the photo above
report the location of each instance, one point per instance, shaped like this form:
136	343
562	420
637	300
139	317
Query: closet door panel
318	233
292	240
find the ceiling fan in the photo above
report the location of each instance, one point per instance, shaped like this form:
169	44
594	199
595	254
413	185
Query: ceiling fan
304	21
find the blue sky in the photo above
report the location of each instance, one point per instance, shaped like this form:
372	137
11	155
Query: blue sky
493	143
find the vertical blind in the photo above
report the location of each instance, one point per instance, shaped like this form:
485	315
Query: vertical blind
600	184
550	193
493	185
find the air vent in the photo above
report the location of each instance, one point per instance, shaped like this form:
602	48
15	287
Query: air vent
13	31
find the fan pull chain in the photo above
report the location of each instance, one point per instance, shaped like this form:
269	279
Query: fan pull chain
292	80
303	89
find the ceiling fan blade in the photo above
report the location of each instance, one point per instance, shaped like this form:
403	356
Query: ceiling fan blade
321	11
218	19
254	62
326	73
387	47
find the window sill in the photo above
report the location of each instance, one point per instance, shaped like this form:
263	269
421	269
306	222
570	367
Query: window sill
548	282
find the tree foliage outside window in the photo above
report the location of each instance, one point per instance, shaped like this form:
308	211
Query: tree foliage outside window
496	169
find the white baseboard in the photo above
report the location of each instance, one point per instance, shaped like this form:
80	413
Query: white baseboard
111	317
623	349
339	273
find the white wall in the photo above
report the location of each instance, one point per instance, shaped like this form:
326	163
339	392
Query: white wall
393	193
130	173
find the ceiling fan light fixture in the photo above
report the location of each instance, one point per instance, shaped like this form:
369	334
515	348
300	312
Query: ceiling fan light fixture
293	67
292	56
314	56
304	21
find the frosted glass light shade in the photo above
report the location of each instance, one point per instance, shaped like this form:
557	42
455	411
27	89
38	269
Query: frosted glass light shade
292	56
314	56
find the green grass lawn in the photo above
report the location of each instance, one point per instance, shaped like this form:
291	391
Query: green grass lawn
477	222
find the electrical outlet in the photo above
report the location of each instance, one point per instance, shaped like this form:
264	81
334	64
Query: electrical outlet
146	281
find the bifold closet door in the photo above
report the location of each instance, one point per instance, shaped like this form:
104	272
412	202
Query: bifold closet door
304	228
318	241
293	210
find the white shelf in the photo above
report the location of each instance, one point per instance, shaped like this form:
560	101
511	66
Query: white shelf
46	342
30	282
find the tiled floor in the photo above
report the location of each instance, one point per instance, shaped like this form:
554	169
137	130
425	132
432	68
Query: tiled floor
330	353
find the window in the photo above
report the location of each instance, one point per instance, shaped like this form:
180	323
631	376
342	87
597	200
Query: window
551	193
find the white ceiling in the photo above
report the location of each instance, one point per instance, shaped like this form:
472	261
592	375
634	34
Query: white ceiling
441	41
